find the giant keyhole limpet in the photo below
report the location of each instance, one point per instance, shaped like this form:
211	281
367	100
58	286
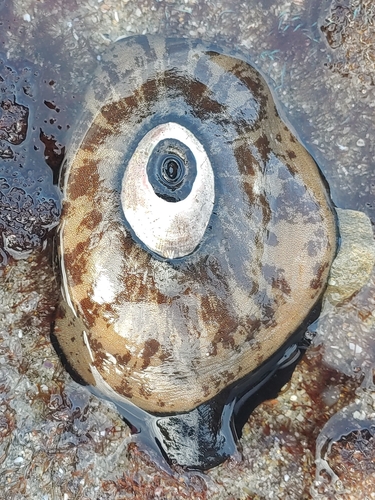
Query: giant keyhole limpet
195	243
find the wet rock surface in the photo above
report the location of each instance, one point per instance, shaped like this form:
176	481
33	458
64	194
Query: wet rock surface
25	221
352	267
13	122
58	442
29	202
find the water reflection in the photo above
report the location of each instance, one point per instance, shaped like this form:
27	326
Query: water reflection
322	94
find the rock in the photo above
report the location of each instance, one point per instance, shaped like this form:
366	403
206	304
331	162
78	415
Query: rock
353	264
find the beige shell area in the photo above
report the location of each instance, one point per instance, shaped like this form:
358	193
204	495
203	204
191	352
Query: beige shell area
170	335
164	338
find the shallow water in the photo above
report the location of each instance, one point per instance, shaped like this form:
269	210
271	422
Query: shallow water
52	48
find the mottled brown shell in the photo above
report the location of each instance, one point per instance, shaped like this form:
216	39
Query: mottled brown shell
169	334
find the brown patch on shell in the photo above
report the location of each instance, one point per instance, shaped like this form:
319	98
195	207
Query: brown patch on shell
84	182
150	349
263	146
76	262
317	282
245	159
92	219
276	278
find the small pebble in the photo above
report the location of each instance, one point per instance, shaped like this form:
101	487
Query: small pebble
355	347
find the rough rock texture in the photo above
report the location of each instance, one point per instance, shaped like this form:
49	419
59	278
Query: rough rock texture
353	264
57	442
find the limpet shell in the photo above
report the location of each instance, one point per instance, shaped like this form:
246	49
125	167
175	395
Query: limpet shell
196	238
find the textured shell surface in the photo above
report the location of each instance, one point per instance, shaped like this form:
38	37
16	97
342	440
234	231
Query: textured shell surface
197	232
